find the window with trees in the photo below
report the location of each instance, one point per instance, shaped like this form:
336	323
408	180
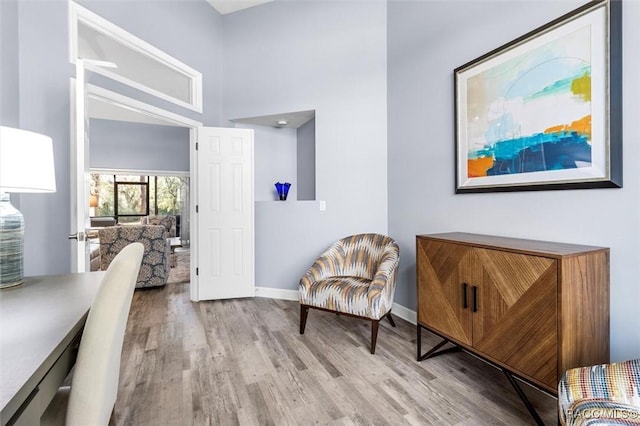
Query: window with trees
128	197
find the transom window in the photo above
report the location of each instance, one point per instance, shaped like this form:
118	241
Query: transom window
139	64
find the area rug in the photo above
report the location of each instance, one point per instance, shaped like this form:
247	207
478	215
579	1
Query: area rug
180	273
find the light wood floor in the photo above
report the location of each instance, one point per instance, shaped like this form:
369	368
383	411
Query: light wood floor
243	362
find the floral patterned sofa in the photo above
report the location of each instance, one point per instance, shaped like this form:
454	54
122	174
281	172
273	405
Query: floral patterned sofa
167	220
94	253
154	270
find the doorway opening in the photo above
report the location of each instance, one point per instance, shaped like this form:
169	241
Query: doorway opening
95	41
124	198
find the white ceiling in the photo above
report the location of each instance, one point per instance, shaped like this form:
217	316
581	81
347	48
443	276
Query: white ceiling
293	119
230	6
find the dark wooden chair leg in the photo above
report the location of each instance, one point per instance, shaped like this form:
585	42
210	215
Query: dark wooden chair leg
374	335
390	318
304	311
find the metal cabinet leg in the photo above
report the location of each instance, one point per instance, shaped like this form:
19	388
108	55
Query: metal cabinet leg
523	398
433	351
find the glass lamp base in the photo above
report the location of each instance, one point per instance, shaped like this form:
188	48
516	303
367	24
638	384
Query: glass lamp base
13	284
11	244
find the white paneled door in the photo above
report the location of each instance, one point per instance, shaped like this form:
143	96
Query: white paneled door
79	170
225	214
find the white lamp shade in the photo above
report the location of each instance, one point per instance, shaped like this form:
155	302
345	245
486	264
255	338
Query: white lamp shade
26	161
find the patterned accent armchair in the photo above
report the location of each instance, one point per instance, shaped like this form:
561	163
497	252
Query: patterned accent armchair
168	221
606	394
154	270
356	276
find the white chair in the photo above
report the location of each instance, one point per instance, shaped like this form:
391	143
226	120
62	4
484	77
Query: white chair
94	386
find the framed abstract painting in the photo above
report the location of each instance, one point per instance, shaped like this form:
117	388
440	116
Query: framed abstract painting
545	110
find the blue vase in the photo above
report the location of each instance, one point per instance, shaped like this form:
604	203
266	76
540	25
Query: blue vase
283	190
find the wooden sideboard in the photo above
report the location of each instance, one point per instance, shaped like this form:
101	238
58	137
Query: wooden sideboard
532	308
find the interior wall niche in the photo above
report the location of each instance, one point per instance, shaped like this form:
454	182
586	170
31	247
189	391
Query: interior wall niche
284	151
306	160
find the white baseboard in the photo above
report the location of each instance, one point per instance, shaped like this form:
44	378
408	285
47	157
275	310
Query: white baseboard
276	293
279	293
404	313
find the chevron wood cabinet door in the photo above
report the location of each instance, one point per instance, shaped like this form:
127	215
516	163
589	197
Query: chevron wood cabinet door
534	308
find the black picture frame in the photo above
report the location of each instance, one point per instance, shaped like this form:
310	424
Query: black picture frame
526	154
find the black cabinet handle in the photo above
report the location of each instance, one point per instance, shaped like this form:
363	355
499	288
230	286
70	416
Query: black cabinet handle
474	293
465	303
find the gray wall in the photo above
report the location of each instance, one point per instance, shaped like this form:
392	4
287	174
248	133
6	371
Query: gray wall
190	31
8	63
9	100
137	146
426	41
306	160
44	108
329	57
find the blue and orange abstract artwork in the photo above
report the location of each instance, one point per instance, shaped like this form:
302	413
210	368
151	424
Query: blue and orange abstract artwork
532	112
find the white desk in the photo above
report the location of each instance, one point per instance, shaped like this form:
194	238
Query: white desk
40	320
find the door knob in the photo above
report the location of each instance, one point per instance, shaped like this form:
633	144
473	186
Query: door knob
80	236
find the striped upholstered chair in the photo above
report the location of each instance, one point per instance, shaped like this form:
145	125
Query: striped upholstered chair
606	394
356	276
